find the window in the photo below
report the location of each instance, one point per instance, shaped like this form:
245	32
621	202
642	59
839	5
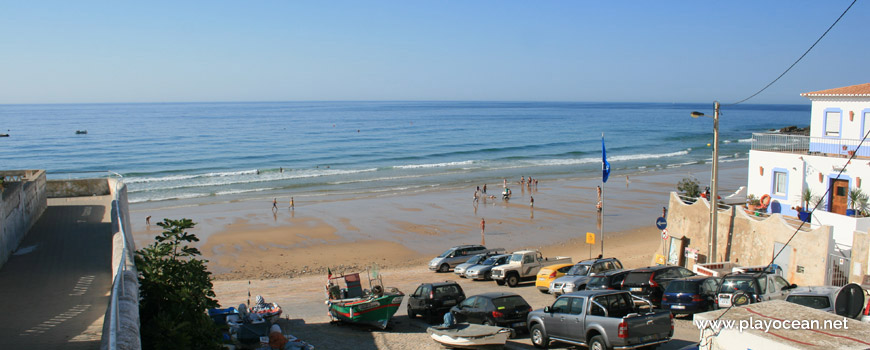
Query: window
565	269
866	125
780	183
577	305
560	306
529	259
832	124
780	282
469	302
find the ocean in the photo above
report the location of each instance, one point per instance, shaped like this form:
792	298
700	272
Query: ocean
214	152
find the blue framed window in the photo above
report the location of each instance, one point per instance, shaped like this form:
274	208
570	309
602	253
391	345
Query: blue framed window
833	122
779	184
865	123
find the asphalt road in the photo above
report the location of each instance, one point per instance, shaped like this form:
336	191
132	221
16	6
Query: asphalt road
54	290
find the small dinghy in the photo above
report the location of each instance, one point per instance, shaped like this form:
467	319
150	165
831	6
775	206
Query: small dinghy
470	336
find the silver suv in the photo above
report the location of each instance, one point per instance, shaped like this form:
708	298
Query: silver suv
455	256
580	274
745	288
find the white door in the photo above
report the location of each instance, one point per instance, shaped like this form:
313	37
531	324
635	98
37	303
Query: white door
784	259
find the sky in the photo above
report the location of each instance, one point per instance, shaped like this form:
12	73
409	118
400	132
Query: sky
601	51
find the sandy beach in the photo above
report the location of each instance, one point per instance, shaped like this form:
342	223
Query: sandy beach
247	240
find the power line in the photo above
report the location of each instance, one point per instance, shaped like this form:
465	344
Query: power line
799	59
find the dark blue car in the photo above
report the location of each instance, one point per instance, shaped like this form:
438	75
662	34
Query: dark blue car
691	295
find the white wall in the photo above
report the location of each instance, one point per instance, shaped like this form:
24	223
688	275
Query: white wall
850	129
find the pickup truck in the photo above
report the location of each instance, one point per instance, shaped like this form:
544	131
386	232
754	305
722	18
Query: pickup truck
600	319
524	266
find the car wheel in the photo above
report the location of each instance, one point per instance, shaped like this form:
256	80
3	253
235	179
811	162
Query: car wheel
499	282
512	281
539	338
597	343
411	314
488	276
544	291
488	323
444	268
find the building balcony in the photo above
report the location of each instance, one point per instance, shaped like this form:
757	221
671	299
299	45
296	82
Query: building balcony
812	145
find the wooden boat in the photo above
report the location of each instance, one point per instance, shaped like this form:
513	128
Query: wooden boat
4	135
470	336
352	304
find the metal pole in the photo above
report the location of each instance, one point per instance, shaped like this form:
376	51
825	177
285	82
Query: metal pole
602	219
713	184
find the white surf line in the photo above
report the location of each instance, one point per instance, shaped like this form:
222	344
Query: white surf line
82	286
56	320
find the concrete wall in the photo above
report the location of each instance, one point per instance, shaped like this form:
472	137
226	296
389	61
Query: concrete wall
860	258
23	202
77	188
749	241
844	226
127	281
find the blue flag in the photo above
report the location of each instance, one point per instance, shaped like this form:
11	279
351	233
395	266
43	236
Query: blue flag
605	166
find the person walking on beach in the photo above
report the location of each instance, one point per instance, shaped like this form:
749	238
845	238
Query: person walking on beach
505	183
523	180
627	181
292	204
599	205
275	204
484	188
148	220
531	201
482	229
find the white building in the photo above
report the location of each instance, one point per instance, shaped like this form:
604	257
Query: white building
783	166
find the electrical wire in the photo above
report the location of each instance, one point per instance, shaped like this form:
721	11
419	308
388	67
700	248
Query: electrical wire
799	59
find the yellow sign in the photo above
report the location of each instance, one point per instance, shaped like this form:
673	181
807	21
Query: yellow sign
590	238
660	259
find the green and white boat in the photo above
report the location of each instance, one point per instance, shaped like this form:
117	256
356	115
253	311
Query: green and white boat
374	306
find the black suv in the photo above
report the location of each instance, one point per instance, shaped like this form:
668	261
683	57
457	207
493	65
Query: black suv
650	282
501	309
433	300
607	280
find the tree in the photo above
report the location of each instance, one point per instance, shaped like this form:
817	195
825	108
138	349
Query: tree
689	186
175	290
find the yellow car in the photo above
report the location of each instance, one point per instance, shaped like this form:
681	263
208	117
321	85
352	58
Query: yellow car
550	273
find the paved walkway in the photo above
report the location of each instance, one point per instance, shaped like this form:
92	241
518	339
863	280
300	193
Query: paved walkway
54	289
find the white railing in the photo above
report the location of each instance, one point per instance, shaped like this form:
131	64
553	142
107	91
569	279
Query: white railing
803	144
118	281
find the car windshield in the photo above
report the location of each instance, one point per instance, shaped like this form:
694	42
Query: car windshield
474	259
734	284
517	257
510	303
446	253
683	287
578	270
491	260
813	301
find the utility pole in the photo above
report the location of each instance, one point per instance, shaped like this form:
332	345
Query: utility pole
714	223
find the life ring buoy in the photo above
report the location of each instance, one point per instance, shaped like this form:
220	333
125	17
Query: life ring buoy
765	201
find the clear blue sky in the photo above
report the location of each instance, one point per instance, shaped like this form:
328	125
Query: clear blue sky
639	51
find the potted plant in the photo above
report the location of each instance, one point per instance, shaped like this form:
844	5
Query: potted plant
752	202
856	197
807	197
689	187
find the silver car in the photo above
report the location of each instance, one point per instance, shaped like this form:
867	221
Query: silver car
580	274
477	259
454	256
483	271
845	301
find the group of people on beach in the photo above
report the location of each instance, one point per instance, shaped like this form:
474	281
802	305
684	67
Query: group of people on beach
275	204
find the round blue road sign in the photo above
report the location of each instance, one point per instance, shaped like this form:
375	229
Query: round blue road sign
661	223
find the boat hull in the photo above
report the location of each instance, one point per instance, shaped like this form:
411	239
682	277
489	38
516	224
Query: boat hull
465	336
375	311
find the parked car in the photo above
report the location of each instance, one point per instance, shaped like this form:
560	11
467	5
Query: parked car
524	266
846	301
550	273
474	260
579	275
432	300
691	295
495	309
608	280
600	319
650	282
483	271
746	288
455	256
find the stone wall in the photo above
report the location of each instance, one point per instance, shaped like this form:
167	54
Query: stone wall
23	202
750	241
77	188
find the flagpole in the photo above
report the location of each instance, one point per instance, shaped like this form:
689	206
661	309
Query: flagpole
602	218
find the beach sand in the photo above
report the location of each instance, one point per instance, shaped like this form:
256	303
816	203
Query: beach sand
247	240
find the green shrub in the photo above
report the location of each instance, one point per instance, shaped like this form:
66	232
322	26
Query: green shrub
175	290
689	186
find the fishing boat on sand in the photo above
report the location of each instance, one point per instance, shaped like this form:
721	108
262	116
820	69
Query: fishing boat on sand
470	336
374	306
